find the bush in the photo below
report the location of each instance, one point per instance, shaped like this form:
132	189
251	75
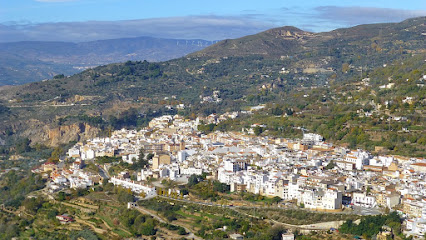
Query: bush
32	205
83	234
181	231
371	225
124	196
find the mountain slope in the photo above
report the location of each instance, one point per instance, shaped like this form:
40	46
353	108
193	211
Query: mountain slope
270	43
287	40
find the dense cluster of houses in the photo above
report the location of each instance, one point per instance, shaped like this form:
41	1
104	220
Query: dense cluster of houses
313	173
72	176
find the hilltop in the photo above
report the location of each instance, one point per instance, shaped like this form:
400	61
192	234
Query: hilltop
290	41
271	43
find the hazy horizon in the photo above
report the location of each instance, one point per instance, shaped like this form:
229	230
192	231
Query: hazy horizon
90	20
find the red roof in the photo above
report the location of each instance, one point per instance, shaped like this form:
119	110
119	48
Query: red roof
421	164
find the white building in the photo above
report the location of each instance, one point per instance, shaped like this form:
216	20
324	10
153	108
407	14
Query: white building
312	137
136	187
328	199
144	174
184	154
230	166
79	182
381	161
347	166
74	152
224	176
87	154
191	171
416	226
130	158
364	200
287	236
359	157
60	180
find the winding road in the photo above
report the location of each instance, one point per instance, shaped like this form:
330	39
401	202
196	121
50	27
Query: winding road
190	234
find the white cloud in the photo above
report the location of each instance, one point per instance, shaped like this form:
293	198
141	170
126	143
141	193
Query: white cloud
360	15
191	27
207	27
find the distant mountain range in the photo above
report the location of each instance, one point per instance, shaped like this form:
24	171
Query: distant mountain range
23	62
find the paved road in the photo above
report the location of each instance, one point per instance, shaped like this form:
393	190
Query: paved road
48	105
144	211
366	211
103	172
199	203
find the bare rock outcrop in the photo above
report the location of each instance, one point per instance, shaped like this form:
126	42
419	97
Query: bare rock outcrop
52	135
73	132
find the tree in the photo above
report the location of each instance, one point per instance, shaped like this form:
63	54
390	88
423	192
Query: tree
220	187
59	76
277	111
184	191
330	165
206	128
396	227
150	156
276	199
181	231
257	130
141	154
194	179
80	192
141	163
51	213
23	145
33	204
368	189
61	196
148	228
387	210
124	196
371	225
56	154
83	234
276	232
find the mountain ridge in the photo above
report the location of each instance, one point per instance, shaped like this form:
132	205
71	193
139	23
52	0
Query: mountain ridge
265	46
68	58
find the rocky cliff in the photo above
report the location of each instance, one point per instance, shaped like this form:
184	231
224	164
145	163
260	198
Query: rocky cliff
74	132
49	135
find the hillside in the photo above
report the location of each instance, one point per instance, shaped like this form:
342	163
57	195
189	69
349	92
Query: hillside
278	66
272	43
384	112
22	62
290	41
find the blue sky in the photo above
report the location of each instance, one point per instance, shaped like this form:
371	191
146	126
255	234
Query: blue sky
81	20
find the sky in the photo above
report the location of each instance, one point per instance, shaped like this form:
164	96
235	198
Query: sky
87	20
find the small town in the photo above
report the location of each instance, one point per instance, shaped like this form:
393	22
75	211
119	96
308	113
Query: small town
172	120
308	173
